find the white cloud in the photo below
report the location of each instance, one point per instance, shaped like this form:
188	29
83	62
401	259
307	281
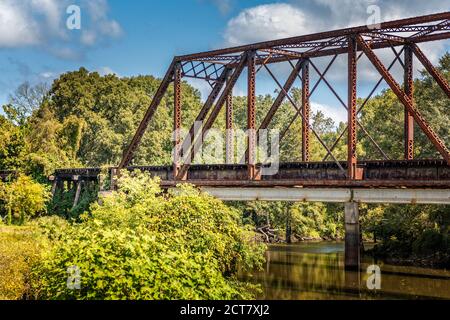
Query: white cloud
98	11
338	114
281	20
104	71
16	27
47	75
43	23
299	17
266	22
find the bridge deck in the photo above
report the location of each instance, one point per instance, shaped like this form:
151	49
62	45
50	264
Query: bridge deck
374	174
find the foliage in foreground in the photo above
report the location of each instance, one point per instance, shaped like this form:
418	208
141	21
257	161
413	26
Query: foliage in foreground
140	244
22	200
20	249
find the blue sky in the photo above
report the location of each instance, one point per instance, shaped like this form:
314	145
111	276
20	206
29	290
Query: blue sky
141	36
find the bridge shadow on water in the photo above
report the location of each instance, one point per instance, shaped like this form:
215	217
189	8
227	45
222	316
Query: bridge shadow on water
308	271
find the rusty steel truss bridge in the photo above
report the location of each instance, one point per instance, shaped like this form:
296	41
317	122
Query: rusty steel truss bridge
406	180
222	68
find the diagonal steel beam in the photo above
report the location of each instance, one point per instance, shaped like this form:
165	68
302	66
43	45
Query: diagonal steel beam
196	144
431	29
438	77
206	108
129	152
391	26
420	120
409	91
281	95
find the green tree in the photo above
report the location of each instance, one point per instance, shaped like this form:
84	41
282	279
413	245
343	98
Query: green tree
22	200
12	145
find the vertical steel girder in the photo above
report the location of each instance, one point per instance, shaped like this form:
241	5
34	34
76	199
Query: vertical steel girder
177	119
352	125
438	77
420	120
129	152
306	110
196	144
251	114
229	129
409	91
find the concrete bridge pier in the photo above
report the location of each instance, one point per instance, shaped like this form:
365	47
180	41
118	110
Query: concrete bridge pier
352	236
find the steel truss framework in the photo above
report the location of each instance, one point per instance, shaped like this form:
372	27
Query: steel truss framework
222	68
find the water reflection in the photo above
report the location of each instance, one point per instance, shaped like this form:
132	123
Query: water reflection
316	271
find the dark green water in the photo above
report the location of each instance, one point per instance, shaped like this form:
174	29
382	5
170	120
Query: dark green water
316	271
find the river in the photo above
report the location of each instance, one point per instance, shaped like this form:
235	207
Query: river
315	270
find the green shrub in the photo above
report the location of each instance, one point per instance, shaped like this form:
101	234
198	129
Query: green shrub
22	199
20	249
141	244
430	242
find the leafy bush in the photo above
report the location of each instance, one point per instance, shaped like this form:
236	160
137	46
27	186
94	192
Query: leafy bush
430	242
20	249
22	199
141	244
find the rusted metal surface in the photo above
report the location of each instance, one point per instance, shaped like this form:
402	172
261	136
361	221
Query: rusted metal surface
403	25
351	110
306	110
177	119
431	69
251	115
375	174
229	128
409	91
420	120
206	108
222	68
280	98
196	143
